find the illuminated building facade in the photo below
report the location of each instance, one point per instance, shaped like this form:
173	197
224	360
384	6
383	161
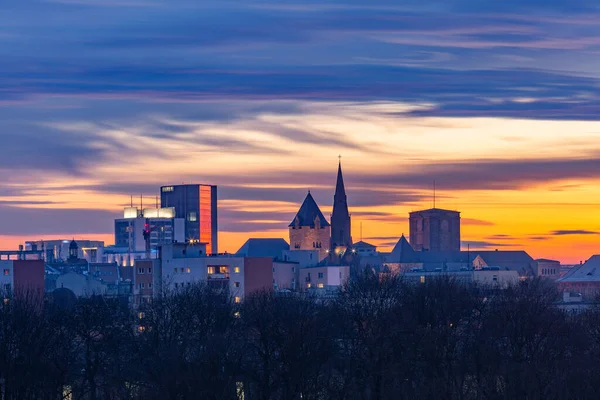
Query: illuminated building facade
310	230
435	230
166	229
197	204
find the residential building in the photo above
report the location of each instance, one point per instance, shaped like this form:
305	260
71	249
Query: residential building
182	264
309	230
328	277
583	279
548	268
197	204
515	260
435	230
21	276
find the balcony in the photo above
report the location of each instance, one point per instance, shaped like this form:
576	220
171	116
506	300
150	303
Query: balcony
218	276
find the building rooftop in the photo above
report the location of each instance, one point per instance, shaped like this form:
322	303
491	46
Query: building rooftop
307	214
258	247
434	211
587	272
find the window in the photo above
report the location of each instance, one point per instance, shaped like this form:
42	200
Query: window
223	269
188	270
211	270
6	272
236	270
149	270
320	286
308	285
176	284
273	269
236	284
149	286
237	299
174	270
293	269
181	270
140	270
141	315
495	278
314	245
320	275
422	279
192	217
143	285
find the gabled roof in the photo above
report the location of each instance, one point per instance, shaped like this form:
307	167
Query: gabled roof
257	247
588	272
517	260
309	211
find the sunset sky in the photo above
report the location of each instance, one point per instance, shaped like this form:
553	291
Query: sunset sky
498	102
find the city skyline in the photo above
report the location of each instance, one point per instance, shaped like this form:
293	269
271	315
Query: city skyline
106	99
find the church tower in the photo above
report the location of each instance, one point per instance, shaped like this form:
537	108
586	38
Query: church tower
310	230
341	238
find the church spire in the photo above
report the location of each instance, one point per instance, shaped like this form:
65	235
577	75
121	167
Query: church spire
340	218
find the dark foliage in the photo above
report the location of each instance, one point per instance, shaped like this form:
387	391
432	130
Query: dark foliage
379	339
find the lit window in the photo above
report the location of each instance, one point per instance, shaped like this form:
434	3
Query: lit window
308	285
236	270
236	284
188	270
236	314
320	286
211	270
141	328
422	279
237	299
141	315
320	275
6	272
223	270
192	217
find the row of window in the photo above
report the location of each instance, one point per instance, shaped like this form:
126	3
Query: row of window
548	271
143	270
182	270
319	285
143	286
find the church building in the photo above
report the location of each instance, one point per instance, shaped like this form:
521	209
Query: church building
310	230
341	237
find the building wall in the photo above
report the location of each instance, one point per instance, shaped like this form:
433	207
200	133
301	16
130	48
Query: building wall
322	277
258	274
435	230
496	278
306	258
143	282
286	275
548	269
6	277
588	290
307	238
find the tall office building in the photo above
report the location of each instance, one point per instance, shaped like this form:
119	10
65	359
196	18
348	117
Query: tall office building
198	205
164	228
435	230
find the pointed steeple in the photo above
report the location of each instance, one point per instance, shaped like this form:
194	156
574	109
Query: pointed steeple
340	217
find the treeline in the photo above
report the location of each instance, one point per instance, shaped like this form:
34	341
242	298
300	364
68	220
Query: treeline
380	339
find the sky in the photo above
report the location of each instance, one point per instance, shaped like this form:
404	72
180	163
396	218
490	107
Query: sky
497	102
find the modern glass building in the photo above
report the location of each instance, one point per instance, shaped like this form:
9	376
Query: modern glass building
198	205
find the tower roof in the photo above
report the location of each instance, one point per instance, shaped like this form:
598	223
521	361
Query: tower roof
73	245
309	211
340	190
